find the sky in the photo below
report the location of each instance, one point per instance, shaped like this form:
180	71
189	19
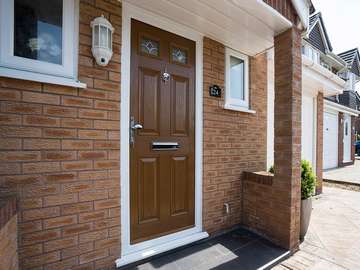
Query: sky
341	19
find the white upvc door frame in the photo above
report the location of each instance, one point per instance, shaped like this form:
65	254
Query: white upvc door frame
131	253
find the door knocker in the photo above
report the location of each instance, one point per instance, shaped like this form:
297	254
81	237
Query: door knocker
165	76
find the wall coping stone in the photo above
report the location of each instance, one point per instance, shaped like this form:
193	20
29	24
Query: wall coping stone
262	177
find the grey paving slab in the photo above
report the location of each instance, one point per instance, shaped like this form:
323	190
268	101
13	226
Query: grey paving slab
332	242
239	249
333	239
350	174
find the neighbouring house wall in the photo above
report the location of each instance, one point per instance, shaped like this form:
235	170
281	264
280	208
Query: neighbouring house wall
8	234
319	142
60	155
357	125
233	141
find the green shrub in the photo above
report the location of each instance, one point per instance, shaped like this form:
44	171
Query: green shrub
308	179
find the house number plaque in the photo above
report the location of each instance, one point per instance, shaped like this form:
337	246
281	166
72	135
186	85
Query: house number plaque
215	91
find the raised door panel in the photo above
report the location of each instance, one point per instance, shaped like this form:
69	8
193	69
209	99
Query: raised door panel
179	186
149	101
148	190
179	106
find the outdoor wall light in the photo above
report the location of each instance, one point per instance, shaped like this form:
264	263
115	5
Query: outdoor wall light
102	32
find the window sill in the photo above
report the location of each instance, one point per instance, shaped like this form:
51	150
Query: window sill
238	108
38	77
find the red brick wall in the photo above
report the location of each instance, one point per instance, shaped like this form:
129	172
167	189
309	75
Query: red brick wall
287	142
233	141
261	211
319	142
60	154
357	125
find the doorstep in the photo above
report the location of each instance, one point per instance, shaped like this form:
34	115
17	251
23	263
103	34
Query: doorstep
238	249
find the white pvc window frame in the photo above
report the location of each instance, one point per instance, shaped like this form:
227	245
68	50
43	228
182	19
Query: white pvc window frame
24	68
230	102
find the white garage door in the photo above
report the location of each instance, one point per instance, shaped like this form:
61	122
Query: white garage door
308	122
330	153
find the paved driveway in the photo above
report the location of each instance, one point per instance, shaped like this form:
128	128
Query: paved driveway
333	239
346	174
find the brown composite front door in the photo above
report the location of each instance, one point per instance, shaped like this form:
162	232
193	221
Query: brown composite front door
162	137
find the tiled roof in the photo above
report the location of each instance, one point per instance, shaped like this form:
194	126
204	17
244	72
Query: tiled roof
352	58
349	56
314	18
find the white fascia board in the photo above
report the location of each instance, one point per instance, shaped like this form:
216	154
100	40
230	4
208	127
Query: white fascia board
307	62
340	108
302	9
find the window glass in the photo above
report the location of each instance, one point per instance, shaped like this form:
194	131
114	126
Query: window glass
38	30
346	128
96	35
103	36
109	39
237	78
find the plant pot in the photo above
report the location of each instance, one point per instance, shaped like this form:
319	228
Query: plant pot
306	208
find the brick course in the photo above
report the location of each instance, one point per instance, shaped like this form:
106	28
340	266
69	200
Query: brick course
319	142
60	154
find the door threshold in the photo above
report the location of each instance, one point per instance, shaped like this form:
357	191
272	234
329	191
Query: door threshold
155	250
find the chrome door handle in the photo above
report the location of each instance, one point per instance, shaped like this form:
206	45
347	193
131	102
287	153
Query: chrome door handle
137	126
133	127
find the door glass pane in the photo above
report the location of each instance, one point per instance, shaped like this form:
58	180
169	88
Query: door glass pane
346	128
237	78
179	55
38	30
149	46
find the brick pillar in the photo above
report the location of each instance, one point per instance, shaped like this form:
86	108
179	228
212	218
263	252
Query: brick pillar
319	142
287	142
341	140
353	121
